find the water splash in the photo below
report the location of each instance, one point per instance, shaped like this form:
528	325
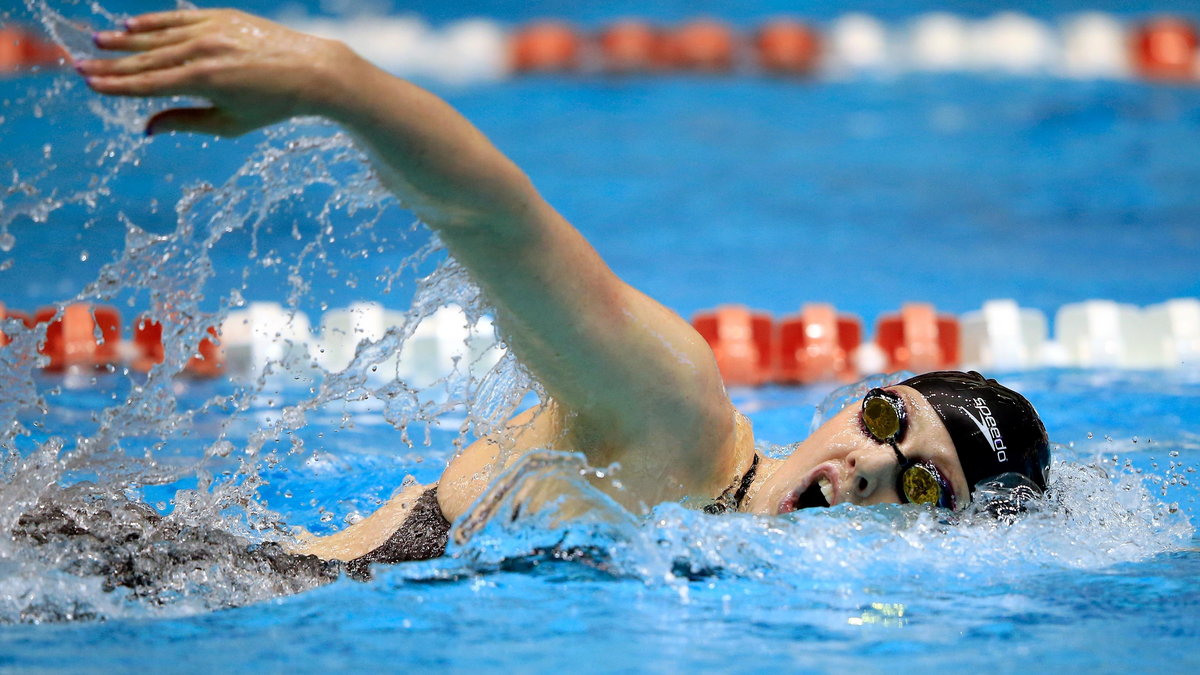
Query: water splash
552	508
85	453
81	463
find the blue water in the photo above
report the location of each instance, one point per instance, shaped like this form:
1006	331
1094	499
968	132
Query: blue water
950	189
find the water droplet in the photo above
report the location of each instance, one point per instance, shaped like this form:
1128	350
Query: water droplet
293	418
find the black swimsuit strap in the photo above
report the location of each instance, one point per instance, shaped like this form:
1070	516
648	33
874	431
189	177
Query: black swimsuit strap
731	498
747	480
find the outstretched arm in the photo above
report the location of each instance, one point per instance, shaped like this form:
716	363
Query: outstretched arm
631	372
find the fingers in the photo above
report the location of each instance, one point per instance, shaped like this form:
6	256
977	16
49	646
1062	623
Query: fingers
127	41
196	120
167	57
159	20
164	82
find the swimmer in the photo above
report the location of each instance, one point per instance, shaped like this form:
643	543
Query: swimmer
628	381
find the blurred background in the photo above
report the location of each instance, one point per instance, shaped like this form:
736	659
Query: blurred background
949	152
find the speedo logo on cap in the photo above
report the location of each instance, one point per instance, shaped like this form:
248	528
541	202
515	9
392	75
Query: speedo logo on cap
988	427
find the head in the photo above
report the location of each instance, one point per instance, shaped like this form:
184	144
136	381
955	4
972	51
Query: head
932	438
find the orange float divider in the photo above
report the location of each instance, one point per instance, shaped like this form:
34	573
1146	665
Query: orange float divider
71	339
209	360
742	342
147	337
703	44
949	341
631	47
788	47
918	339
545	47
12	49
817	344
40	52
6	313
20	49
1164	49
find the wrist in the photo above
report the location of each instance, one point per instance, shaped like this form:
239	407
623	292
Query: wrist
331	84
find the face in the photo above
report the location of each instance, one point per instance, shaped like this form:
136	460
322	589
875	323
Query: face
842	462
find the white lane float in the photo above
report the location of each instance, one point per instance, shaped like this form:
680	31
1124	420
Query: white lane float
1094	46
939	42
1098	334
858	42
1013	43
1003	336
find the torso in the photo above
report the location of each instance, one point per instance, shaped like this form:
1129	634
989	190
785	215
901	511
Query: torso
468	475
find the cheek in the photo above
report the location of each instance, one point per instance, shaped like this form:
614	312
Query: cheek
839	439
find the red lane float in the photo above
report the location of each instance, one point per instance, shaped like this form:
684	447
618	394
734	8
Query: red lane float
703	44
6	313
918	339
742	342
787	47
147	338
545	47
1164	49
40	52
148	341
21	49
12	49
209	361
80	336
631	47
816	345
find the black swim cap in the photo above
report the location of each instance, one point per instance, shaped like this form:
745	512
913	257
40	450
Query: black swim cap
997	433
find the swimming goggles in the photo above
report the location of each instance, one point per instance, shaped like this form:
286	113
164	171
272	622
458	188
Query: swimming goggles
919	482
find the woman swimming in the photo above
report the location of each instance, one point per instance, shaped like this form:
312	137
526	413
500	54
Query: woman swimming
628	381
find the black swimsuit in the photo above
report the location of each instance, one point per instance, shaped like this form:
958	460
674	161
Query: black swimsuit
422	536
731	498
425	531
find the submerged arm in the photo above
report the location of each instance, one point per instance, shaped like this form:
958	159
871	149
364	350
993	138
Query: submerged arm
631	372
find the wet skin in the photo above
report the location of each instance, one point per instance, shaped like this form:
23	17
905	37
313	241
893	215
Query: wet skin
858	468
631	383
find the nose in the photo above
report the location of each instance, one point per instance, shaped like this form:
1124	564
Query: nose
872	470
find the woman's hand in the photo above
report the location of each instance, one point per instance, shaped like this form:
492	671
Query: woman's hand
255	72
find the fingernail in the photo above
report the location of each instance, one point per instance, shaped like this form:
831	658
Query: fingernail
96	38
127	23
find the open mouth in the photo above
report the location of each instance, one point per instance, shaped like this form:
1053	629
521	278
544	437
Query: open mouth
817	495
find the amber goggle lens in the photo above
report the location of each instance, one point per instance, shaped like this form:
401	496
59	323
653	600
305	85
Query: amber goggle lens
881	417
920	485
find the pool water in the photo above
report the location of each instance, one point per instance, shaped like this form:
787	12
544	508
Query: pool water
867	194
